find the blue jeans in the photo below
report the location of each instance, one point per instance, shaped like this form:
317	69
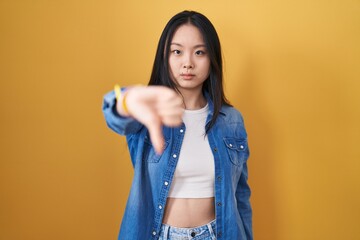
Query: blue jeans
205	232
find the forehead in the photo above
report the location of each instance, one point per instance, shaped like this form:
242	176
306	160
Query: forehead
188	34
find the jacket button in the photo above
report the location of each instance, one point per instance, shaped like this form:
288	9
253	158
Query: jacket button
174	156
154	233
219	204
181	130
166	183
219	234
215	149
219	178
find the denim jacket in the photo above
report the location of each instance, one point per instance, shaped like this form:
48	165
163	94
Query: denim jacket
153	173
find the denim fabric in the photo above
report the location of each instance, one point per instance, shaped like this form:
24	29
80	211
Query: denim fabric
205	232
153	174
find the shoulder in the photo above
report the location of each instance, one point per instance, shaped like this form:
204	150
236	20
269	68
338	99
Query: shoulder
231	114
231	123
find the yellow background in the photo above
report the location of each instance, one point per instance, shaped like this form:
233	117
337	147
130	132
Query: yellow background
291	67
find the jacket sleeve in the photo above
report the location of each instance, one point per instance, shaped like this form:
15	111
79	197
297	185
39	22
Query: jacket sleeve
243	193
121	125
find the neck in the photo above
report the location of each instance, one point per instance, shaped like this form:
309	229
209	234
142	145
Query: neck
193	100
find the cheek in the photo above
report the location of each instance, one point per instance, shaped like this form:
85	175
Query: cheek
172	65
206	67
172	69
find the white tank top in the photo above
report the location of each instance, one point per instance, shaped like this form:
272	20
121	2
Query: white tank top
195	173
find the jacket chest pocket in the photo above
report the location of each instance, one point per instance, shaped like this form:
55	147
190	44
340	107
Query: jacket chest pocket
149	154
237	149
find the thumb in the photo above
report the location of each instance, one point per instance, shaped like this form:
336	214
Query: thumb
156	135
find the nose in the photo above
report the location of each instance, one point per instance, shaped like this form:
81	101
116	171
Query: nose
188	63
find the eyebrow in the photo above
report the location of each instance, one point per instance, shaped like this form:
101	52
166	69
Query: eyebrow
196	46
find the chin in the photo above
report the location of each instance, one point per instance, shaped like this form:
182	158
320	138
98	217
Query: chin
190	86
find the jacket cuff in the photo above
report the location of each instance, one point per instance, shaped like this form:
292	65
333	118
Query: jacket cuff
120	124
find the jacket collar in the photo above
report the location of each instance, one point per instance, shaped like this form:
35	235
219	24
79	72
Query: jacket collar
211	107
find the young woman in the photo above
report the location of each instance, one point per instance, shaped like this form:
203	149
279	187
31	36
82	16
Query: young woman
188	145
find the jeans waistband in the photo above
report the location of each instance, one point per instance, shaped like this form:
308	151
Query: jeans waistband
169	232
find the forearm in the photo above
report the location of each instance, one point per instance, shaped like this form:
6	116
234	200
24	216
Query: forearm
243	194
119	122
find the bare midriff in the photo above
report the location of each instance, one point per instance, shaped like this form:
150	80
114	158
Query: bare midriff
189	212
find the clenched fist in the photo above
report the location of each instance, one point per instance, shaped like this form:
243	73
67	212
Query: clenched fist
153	106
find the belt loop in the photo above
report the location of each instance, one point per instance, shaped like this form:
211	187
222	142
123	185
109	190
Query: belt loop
211	230
166	232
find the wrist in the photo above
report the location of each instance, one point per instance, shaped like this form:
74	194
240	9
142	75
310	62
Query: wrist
121	97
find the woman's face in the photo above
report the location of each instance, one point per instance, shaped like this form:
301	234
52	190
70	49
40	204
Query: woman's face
188	59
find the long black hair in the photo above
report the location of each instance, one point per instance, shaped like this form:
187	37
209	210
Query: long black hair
213	85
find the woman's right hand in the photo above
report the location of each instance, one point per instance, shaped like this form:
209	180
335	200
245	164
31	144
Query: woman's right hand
153	106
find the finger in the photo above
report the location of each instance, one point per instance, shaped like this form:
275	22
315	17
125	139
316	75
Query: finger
172	120
171	112
174	101
170	108
148	116
156	92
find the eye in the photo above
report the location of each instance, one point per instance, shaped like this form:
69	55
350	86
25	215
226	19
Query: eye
176	52
200	52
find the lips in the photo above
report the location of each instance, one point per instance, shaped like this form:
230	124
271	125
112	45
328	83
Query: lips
187	76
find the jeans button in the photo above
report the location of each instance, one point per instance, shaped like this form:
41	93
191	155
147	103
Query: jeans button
193	234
